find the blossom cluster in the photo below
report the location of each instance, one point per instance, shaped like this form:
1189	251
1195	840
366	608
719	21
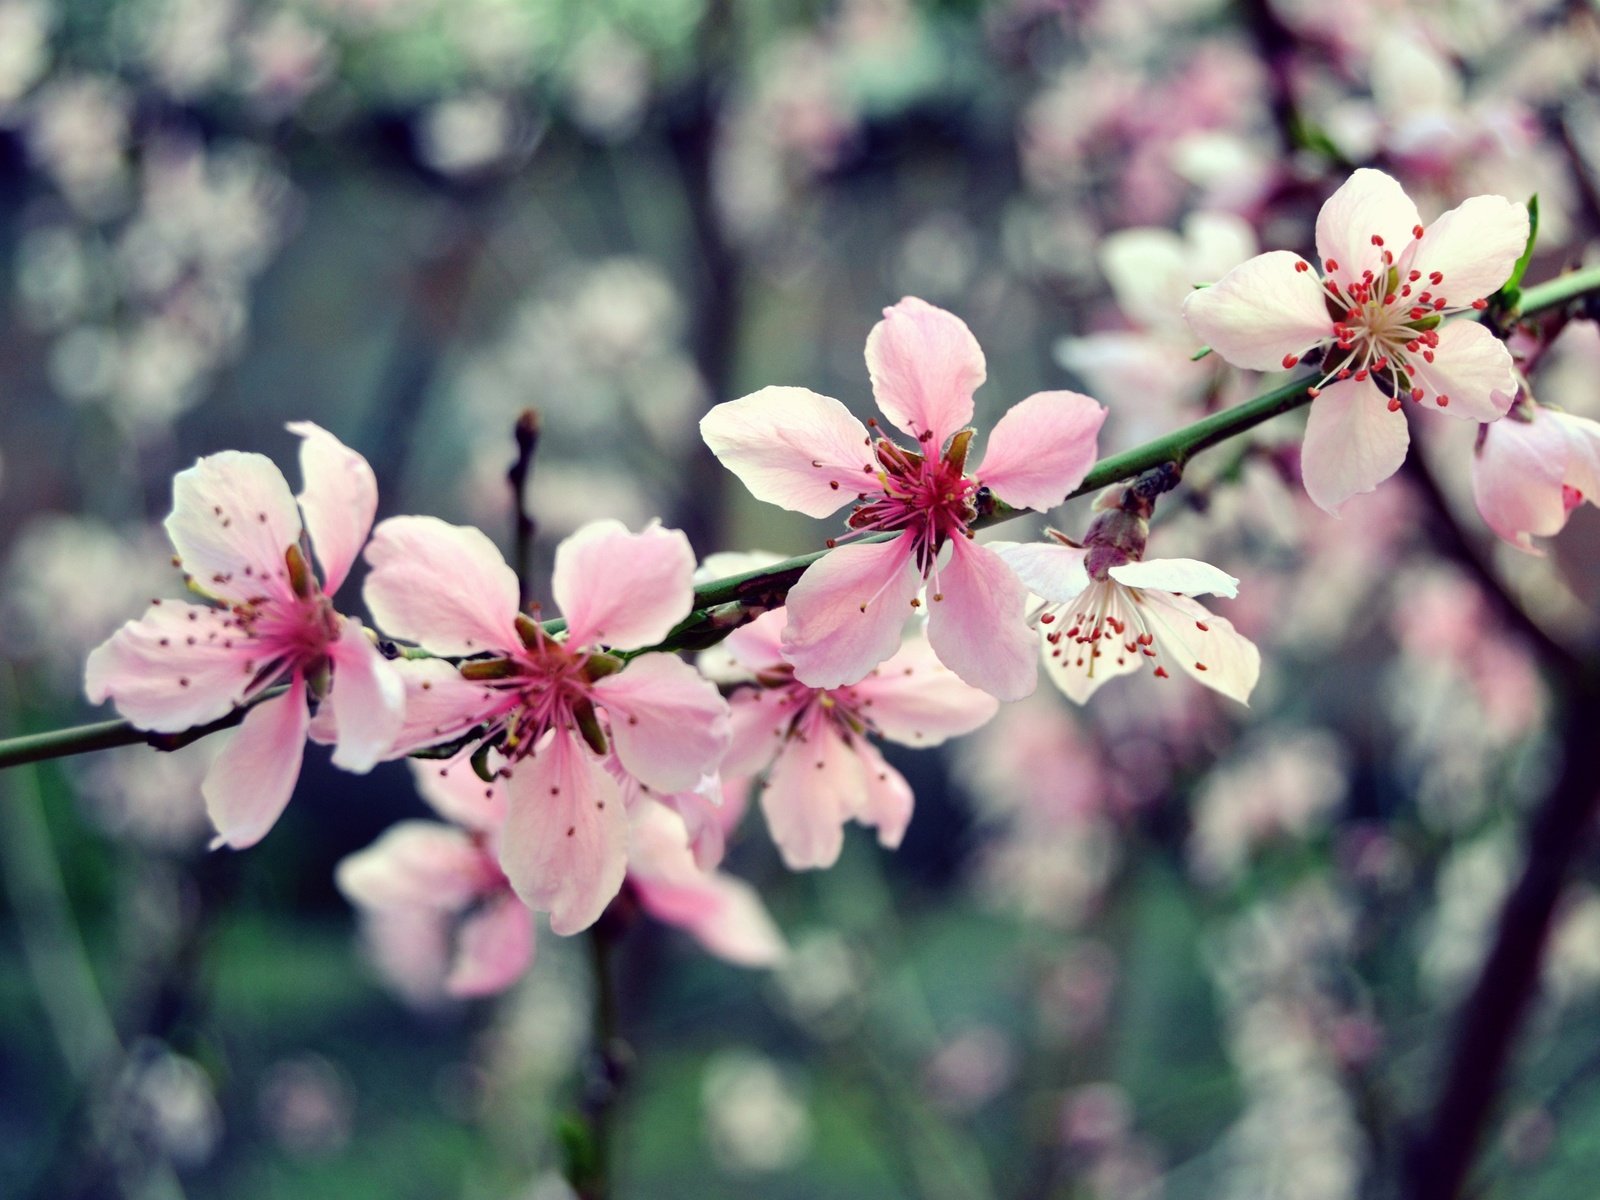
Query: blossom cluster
577	757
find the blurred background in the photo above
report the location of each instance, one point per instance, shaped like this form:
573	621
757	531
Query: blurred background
1162	947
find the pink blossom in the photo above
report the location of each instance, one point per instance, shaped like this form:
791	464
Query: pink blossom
1532	469
1376	316
240	537
821	769
1104	616
806	452
554	705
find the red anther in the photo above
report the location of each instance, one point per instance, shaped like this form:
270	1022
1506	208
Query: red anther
1436	277
1149	653
1161	673
1413	346
1376	240
1394	406
1290	360
1313	392
1328	264
1047	618
1425	297
1345	374
1380	365
1073	632
1353	315
1418	313
1416	231
1427	355
1202	627
1414	276
1389	299
1199	666
1146	639
1480	305
1361	375
1302	267
1442	400
1438	305
1405	291
1416	393
1388	258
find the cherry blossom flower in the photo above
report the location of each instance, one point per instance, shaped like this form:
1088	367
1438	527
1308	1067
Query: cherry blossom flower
1376	315
1105	612
241	537
822	770
1532	469
440	881
554	705
807	453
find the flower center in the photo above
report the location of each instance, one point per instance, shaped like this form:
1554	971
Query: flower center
546	686
931	498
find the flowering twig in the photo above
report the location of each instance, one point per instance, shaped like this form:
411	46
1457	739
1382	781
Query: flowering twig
755	591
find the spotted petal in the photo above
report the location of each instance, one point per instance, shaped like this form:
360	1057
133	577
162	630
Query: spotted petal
233	519
1369	204
1473	368
847	612
925	365
338	499
792	447
442	586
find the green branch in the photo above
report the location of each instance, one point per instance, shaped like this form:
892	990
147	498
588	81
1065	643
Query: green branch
723	604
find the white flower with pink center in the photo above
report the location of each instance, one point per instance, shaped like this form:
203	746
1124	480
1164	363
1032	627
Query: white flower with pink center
1375	318
556	706
1103	613
807	453
1532	469
813	743
247	544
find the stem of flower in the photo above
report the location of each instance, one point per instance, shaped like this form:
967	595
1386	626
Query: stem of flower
766	588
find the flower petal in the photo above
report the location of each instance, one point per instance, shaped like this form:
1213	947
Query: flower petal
1216	655
1264	309
368	700
1353	443
178	666
1474	246
454	791
847	612
757	646
1518	475
233	519
1367	204
1041	449
668	722
812	788
564	846
249	784
1188	576
494	948
440	704
417	864
916	700
925	364
1076	669
977	622
442	586
758	721
1049	570
1473	368
338	499
792	447
888	801
622	589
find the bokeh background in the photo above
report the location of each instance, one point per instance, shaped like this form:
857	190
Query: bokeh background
1164	947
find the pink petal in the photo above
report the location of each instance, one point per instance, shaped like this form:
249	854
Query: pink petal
1187	576
368	700
249	784
623	589
1368	203
888	800
1041	449
1353	443
564	847
417	864
977	622
1232	664
159	680
233	519
1473	368
1049	570
494	948
916	700
1518	475
848	610
758	720
442	586
440	705
810	791
1261	311
793	448
758	646
925	364
454	791
1474	246
669	724
1074	669
338	500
